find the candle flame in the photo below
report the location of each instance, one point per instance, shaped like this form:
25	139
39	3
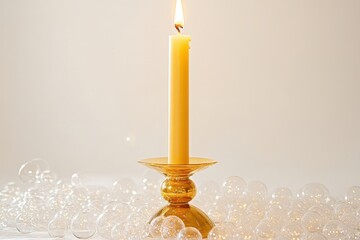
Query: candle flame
179	16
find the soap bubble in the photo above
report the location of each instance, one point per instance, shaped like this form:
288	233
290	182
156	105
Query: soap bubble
256	190
208	191
124	189
233	187
189	233
151	182
335	229
315	236
58	226
119	232
171	226
314	193
23	223
353	196
266	230
155	226
312	221
30	171
106	221
221	232
83	225
292	230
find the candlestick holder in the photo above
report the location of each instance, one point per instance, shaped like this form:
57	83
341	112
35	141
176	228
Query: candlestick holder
178	189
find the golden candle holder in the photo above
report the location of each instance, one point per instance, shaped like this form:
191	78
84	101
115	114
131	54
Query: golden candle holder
178	189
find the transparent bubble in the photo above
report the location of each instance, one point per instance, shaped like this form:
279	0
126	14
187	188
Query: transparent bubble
151	182
312	221
23	223
292	230
245	233
335	229
297	210
266	230
119	232
221	232
315	236
233	187
48	177
237	210
256	209
171	226
106	221
343	208
30	171
352	196
314	193
58	226
189	233
83	225
208	191
124	189
155	226
256	190
276	215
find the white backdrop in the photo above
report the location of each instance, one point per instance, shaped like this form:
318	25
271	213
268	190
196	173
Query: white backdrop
274	87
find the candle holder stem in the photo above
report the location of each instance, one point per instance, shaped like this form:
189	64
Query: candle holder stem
178	189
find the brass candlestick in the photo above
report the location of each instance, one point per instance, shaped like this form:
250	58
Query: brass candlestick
178	189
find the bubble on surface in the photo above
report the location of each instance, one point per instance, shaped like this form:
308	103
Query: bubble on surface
312	221
23	223
189	233
83	225
155	226
124	189
335	229
221	232
57	227
171	226
233	187
119	232
30	171
352	196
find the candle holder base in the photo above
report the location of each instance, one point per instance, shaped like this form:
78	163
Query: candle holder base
178	189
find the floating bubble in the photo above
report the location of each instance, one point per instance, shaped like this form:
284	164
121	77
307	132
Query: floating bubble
312	221
335	229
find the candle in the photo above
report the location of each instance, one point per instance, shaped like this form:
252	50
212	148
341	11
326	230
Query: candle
179	92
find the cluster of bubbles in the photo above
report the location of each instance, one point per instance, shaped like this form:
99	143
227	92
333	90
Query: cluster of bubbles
240	210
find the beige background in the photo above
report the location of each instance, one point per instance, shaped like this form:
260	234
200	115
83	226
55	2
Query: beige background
274	87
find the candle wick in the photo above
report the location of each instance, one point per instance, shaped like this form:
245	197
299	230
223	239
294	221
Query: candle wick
178	26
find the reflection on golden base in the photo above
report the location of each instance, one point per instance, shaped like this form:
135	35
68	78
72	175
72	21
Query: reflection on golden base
178	189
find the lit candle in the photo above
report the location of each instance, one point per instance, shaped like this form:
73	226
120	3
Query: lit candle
179	92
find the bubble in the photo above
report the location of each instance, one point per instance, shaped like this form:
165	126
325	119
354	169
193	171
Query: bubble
335	229
208	191
30	171
315	236
151	182
83	225
292	230
124	189
221	232
119	232
314	193
23	223
233	187
256	190
352	196
312	221
106	221
155	226
57	227
171	226
266	230
189	233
